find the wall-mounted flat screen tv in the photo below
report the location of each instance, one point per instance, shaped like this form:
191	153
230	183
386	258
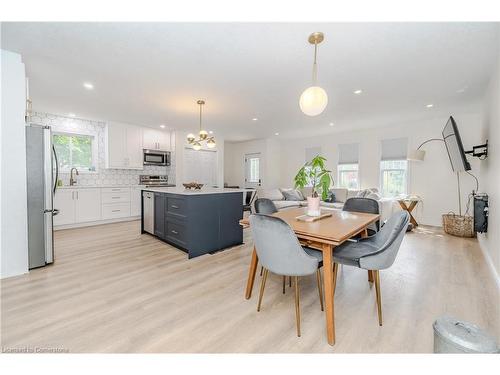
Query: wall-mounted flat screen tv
454	146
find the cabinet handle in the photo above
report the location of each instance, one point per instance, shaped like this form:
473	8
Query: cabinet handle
115	210
76	195
115	197
115	189
174	232
174	206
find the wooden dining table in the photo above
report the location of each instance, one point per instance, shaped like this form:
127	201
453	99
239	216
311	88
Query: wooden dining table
323	235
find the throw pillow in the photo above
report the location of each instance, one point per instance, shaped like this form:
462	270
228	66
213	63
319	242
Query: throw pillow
272	194
292	195
375	196
331	197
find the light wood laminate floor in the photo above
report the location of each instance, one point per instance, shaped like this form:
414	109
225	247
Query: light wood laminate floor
114	290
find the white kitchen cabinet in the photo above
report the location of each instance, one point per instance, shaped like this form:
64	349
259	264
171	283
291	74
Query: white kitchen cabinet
135	201
88	205
153	139
123	144
77	205
64	202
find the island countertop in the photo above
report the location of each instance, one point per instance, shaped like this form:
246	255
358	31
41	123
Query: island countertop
182	191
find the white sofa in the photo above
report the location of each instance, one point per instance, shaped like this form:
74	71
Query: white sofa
387	206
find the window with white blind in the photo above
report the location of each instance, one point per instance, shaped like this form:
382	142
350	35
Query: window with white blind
348	166
394	167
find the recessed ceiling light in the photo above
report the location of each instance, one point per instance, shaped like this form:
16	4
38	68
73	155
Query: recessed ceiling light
162	126
276	133
88	85
430	105
331	124
357	92
255	119
210	132
71	115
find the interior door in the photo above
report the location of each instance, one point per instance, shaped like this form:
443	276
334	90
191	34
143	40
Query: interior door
253	170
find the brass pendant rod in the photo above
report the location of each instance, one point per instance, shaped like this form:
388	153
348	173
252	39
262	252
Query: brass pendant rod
315	65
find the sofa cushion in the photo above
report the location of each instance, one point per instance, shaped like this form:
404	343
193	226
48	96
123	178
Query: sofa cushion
292	194
352	193
340	194
272	194
337	205
375	196
286	204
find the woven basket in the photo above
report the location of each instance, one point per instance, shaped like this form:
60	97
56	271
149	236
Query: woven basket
457	225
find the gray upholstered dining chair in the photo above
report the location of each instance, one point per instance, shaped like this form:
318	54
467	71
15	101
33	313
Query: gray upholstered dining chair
280	252
374	253
265	206
366	205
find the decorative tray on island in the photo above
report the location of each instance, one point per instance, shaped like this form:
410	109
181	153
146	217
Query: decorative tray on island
192	185
311	219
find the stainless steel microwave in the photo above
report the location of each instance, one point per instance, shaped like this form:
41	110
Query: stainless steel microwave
155	157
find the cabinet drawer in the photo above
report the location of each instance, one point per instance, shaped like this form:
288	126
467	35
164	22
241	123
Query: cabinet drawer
115	210
116	197
115	190
176	206
176	232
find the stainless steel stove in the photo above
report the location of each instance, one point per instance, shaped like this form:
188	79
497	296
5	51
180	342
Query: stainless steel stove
154	180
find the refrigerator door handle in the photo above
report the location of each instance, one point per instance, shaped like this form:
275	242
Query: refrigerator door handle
57	168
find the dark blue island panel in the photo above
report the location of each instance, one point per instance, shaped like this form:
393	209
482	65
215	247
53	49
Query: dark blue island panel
199	224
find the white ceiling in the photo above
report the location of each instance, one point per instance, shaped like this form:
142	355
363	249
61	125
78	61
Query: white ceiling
153	73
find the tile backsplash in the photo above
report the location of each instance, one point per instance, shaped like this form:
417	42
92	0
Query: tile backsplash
101	176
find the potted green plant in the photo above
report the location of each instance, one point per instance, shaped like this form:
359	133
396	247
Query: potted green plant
314	173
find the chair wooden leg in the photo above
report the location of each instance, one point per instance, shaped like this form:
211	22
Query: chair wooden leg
320	288
297	304
379	297
284	283
370	276
262	286
261	269
335	271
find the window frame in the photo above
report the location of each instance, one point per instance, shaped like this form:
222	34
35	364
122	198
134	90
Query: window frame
94	148
342	171
406	176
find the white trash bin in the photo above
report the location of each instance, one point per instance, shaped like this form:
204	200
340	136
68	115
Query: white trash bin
454	336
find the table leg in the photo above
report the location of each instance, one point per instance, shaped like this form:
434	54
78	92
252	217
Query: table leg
410	209
251	274
328	288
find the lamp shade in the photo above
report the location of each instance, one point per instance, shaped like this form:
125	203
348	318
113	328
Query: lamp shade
313	101
416	155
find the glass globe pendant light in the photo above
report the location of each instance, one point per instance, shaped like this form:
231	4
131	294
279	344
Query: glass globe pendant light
202	134
314	99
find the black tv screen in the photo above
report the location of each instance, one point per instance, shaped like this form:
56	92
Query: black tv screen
455	147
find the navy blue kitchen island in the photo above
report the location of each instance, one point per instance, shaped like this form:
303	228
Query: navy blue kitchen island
195	221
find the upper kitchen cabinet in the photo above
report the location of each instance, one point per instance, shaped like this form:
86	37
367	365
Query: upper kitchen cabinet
123	143
156	140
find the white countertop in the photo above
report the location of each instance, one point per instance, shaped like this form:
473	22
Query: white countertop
100	186
182	191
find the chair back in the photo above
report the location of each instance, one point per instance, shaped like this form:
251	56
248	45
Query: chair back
387	241
278	248
366	205
265	206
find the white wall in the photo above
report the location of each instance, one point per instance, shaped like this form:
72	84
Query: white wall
13	202
234	162
180	146
490	172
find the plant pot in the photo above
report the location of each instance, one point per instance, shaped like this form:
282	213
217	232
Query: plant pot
313	206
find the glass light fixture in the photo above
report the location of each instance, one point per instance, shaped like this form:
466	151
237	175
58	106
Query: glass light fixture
202	134
314	99
211	143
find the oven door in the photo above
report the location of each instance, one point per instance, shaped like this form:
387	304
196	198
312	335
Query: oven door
152	157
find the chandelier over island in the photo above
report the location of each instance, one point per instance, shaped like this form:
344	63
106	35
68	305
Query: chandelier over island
314	99
202	134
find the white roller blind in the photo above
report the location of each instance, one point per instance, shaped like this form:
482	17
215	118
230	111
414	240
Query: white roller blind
394	149
312	153
349	153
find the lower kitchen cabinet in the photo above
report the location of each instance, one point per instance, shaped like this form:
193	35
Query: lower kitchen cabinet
88	205
135	201
77	206
160	204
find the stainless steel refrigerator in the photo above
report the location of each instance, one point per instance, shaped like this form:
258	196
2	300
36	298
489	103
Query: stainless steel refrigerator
41	174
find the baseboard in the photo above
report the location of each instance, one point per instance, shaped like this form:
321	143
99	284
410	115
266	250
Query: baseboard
94	223
490	264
